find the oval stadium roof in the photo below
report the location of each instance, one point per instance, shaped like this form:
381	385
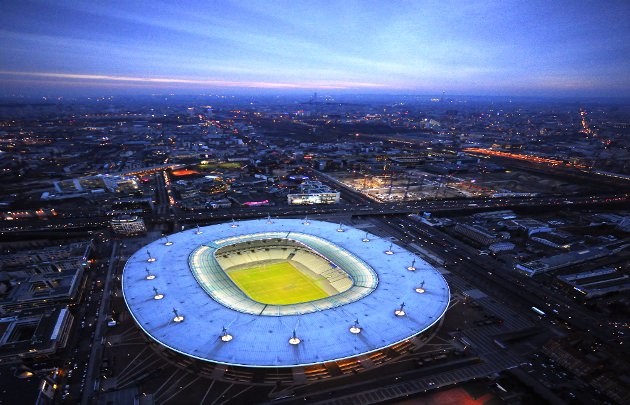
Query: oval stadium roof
263	341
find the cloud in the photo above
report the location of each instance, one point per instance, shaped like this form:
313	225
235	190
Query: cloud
196	82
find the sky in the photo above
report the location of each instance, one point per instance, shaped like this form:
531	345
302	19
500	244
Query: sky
503	47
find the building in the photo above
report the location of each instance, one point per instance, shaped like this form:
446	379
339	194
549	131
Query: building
313	198
620	221
233	337
34	333
427	219
42	289
58	254
501	215
477	233
128	225
313	192
528	225
499	247
556	239
567	259
96	184
597	282
314	186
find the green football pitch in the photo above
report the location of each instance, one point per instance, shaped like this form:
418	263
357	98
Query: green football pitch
277	284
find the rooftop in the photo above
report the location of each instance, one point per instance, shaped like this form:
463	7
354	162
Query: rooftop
268	338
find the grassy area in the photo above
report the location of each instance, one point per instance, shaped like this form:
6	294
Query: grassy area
277	284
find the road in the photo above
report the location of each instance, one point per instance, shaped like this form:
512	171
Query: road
92	376
92	220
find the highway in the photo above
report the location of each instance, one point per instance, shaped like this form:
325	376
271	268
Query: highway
353	203
77	220
85	336
93	367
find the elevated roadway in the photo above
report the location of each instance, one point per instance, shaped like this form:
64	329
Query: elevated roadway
86	220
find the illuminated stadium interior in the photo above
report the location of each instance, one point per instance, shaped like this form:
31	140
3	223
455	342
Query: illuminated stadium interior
378	299
342	276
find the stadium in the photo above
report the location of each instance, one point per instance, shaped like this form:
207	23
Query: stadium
282	300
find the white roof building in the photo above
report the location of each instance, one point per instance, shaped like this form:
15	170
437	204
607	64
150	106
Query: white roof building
219	323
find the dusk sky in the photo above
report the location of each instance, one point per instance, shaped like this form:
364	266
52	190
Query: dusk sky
98	47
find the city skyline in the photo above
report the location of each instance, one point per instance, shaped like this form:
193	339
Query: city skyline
565	49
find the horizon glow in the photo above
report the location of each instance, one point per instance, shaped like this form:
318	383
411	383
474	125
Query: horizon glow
562	48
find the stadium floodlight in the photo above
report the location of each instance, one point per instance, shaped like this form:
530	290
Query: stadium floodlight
413	266
400	311
355	328
294	339
225	336
157	295
389	250
150	259
421	290
149	275
178	318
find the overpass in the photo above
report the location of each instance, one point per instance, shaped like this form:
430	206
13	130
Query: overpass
81	219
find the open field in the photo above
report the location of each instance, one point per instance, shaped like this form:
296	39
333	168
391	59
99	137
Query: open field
277	284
